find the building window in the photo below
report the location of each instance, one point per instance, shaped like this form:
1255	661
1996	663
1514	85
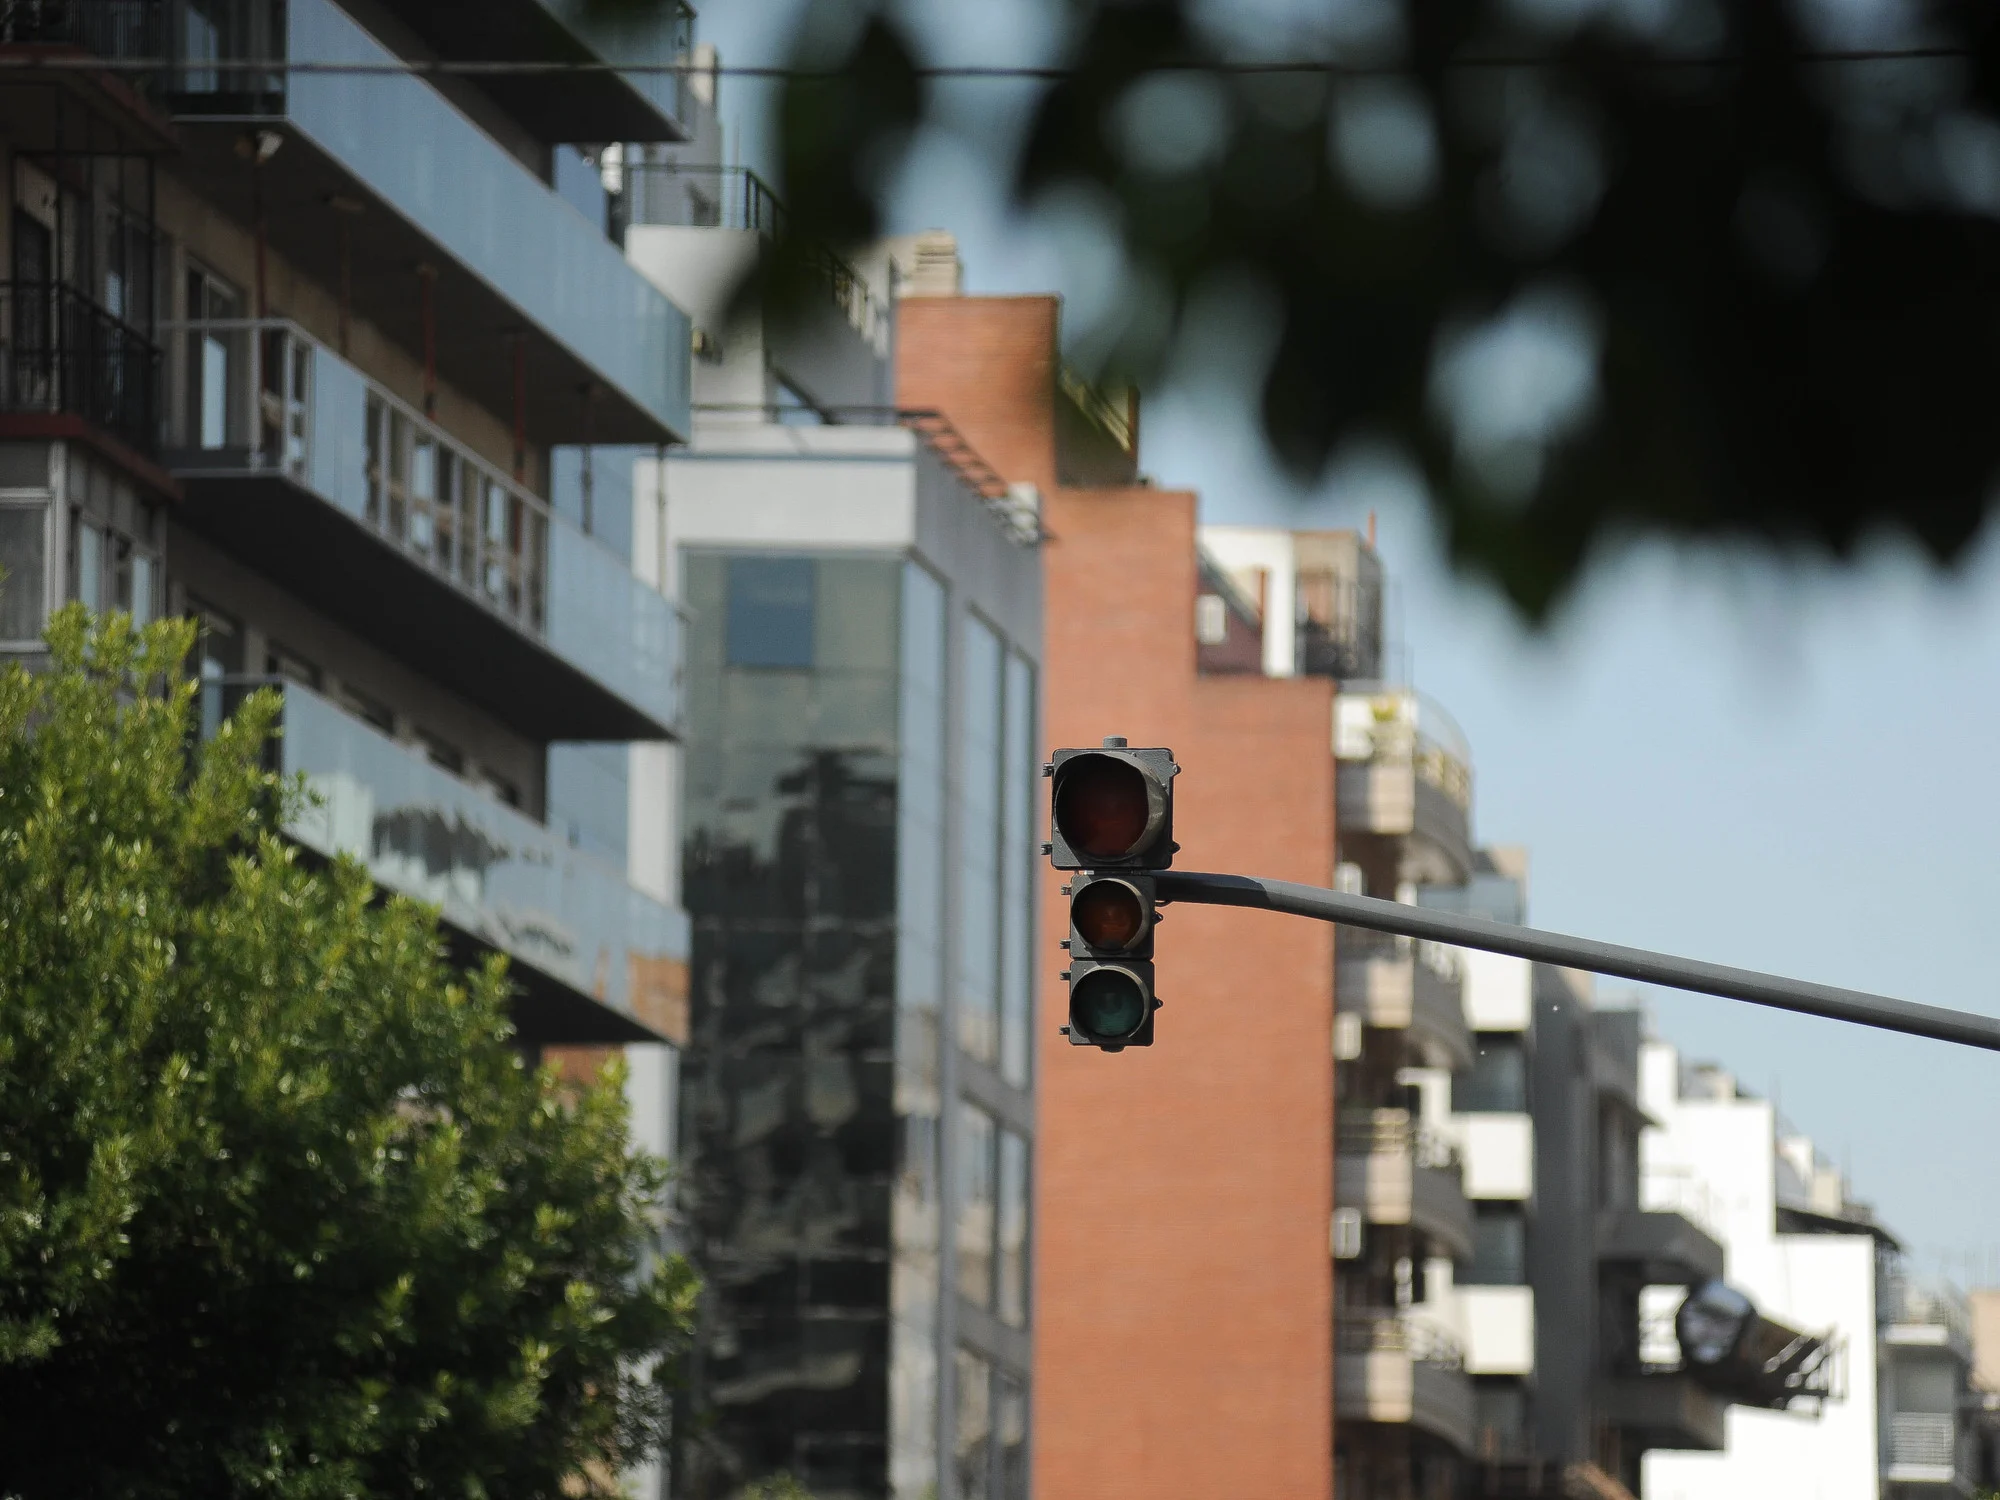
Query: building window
1011	1253
1017	876
1499	1247
980	842
972	1455
977	1207
769	612
282	661
1497	1082
1010	1433
219	653
23	571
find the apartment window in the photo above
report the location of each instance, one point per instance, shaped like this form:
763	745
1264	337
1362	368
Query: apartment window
1499	1247
1497	1082
23	570
977	1205
982	672
211	301
441	752
1018	864
769	612
1617	1159
1500	1420
219	655
1011	1252
86	562
111	569
369	710
972	1455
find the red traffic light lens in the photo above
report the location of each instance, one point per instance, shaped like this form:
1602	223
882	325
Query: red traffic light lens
1108	1005
1102	807
1108	914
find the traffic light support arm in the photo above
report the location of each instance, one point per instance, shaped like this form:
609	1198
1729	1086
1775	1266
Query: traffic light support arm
1583	953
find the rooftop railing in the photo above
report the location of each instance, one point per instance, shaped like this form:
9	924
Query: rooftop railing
1399	724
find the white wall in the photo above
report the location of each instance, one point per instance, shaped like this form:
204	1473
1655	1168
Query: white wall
1499	991
1823	1284
1243	552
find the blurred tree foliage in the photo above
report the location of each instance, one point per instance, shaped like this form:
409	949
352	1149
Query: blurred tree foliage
282	1211
1598	267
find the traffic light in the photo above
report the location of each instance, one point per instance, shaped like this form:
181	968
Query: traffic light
1112	820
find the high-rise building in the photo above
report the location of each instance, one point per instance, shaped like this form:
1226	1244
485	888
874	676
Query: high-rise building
859	784
305	355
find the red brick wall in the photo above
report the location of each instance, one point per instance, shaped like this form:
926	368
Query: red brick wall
1183	1313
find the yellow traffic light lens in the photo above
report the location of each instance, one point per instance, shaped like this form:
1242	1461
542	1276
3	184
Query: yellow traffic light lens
1108	1005
1108	914
1102	808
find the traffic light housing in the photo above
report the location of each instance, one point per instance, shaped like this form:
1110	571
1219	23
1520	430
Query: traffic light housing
1111	819
1112	808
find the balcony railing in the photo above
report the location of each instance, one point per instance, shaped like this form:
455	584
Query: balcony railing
675	194
265	398
1401	726
1923	1439
1390	1132
497	875
61	353
1363	943
1906	1303
106	28
1389	1332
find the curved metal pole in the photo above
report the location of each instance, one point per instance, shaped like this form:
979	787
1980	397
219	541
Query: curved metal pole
1800	995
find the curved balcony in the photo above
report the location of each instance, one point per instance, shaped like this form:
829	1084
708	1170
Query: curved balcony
1398	1172
1405	773
1399	984
1399	1368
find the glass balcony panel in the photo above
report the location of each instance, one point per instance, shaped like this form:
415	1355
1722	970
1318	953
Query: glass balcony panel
359	449
432	164
495	874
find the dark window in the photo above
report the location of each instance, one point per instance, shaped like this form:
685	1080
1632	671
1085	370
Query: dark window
443	754
1499	1247
770	612
1498	1080
371	711
1500	1420
221	647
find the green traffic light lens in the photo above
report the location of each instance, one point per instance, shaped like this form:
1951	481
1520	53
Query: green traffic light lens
1102	808
1108	914
1108	1005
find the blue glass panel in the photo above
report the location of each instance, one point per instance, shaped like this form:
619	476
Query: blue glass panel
486	209
495	874
617	627
770	605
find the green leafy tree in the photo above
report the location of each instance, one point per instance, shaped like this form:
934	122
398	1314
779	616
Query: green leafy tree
283	1212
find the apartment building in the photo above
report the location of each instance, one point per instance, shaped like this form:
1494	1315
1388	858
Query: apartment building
859	785
297	354
1164	1367
1877	1398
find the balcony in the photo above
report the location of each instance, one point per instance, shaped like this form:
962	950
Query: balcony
1395	1367
1668	1249
606	353
1929	1448
1498	1156
1664	1410
320	479
40	106
1406	773
1397	1172
592	955
1916	1316
1398	984
697	232
68	365
593	106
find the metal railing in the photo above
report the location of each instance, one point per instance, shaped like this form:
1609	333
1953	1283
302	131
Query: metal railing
107	28
1391	1132
675	194
1390	1332
1683	1191
62	353
1923	1439
1364	943
1399	724
1906	1301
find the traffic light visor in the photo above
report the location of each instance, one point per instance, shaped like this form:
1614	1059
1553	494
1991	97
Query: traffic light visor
1109	914
1106	807
1108	1004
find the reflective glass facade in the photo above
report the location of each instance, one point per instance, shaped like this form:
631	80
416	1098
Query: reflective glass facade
843	882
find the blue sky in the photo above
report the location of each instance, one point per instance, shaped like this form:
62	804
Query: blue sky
1751	759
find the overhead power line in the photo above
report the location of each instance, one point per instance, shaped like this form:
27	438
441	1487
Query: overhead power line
944	72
